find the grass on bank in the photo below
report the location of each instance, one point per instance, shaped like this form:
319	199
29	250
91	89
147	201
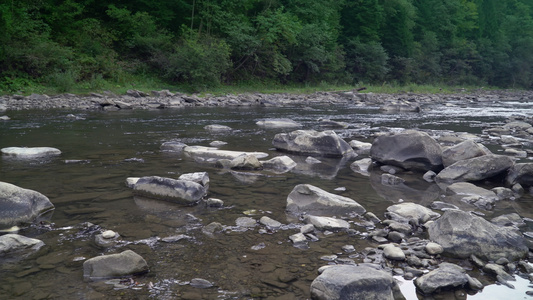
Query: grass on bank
147	84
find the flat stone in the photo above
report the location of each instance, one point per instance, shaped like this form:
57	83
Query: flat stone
30	152
326	223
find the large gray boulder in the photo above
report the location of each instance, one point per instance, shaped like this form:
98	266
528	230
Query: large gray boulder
311	142
14	244
175	190
355	282
19	206
410	149
521	173
475	169
309	199
114	265
462	234
446	276
472	194
30	152
465	150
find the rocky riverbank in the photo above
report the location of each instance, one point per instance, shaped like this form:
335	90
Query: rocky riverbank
134	99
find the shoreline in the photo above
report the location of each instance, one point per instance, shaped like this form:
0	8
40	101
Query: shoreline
163	99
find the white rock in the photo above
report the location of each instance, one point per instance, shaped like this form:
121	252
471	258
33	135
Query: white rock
327	223
29	152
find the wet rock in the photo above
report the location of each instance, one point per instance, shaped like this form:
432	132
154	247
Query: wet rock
411	150
355	282
279	164
429	176
216	128
19	206
107	238
327	123
269	222
131	181
362	166
12	244
388	179
298	238
521	173
465	150
305	198
213	202
114	265
201	178
361	148
278	123
326	223
462	234
4	118
312	160
393	252
407	211
446	276
173	146
246	222
217	144
503	193
475	169
242	162
211	228
310	142
30	152
200	283
307	228
498	271
512	219
207	153
179	191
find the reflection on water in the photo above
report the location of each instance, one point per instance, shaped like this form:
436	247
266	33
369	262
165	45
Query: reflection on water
104	148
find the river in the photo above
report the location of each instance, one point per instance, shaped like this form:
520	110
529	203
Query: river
86	183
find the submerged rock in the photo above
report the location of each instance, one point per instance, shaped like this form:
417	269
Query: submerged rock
216	128
14	244
114	265
355	282
180	191
310	142
411	150
173	146
462	234
19	206
309	199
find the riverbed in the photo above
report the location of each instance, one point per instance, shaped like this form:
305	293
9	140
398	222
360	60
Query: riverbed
100	149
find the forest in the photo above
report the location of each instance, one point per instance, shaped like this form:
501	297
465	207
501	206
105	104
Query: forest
205	43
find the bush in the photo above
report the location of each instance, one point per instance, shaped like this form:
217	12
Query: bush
200	62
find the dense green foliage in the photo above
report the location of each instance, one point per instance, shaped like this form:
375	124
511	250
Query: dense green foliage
202	43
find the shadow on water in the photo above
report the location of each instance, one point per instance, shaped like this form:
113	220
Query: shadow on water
101	149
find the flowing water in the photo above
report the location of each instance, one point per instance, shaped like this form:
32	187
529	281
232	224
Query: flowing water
102	149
